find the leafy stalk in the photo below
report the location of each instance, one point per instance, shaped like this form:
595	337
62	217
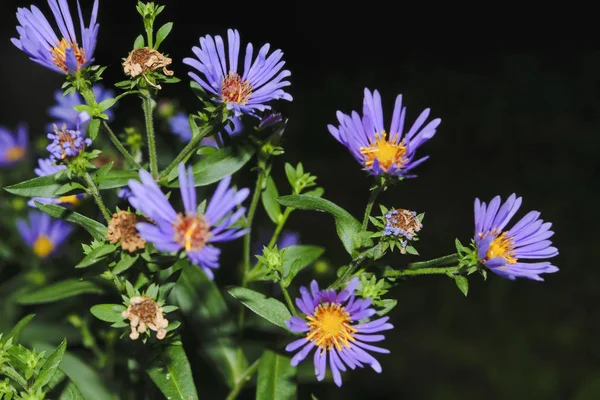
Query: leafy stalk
93	190
245	377
147	106
117	143
422	271
374	193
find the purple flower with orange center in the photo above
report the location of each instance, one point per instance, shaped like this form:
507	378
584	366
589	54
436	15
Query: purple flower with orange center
66	143
503	251
13	147
47	166
331	328
43	233
64	53
261	81
190	230
379	151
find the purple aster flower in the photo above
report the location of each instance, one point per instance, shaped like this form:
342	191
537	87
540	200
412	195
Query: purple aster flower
332	329
378	151
190	230
125	193
261	82
64	109
502	250
43	233
13	148
63	53
66	143
180	125
47	166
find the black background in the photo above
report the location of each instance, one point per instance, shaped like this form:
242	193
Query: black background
517	91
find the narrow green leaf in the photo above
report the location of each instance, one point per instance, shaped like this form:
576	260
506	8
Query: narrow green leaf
94	228
214	167
108	312
348	228
96	255
462	283
93	128
206	312
84	379
126	262
275	376
295	258
49	367
15	332
290	172
162	33
268	197
270	309
42	186
171	373
139	42
117	178
59	291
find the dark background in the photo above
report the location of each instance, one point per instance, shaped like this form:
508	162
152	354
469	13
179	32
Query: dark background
517	91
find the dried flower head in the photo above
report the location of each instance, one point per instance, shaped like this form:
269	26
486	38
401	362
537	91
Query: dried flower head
142	313
122	229
145	59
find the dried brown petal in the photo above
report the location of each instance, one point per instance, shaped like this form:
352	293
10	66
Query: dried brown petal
121	228
144	313
145	59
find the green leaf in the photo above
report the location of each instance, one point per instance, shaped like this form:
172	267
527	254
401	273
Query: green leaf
274	378
94	128
116	179
206	312
290	172
126	262
214	167
270	309
49	367
348	228
268	197
59	291
42	186
295	258
15	332
108	312
94	228
96	255
162	33
139	42
84	377
171	373
106	104
462	283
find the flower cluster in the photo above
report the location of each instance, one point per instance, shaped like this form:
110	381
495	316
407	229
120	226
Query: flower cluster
66	143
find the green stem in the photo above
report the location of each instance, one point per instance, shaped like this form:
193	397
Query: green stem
374	193
246	251
450	259
93	190
117	143
191	147
245	377
147	106
354	264
422	271
288	299
274	238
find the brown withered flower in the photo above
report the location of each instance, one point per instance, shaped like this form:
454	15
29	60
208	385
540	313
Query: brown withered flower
145	59
143	313
121	228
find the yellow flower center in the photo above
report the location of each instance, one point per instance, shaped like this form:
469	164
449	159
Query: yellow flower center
15	154
43	246
502	246
386	152
192	232
59	54
72	199
234	90
330	326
